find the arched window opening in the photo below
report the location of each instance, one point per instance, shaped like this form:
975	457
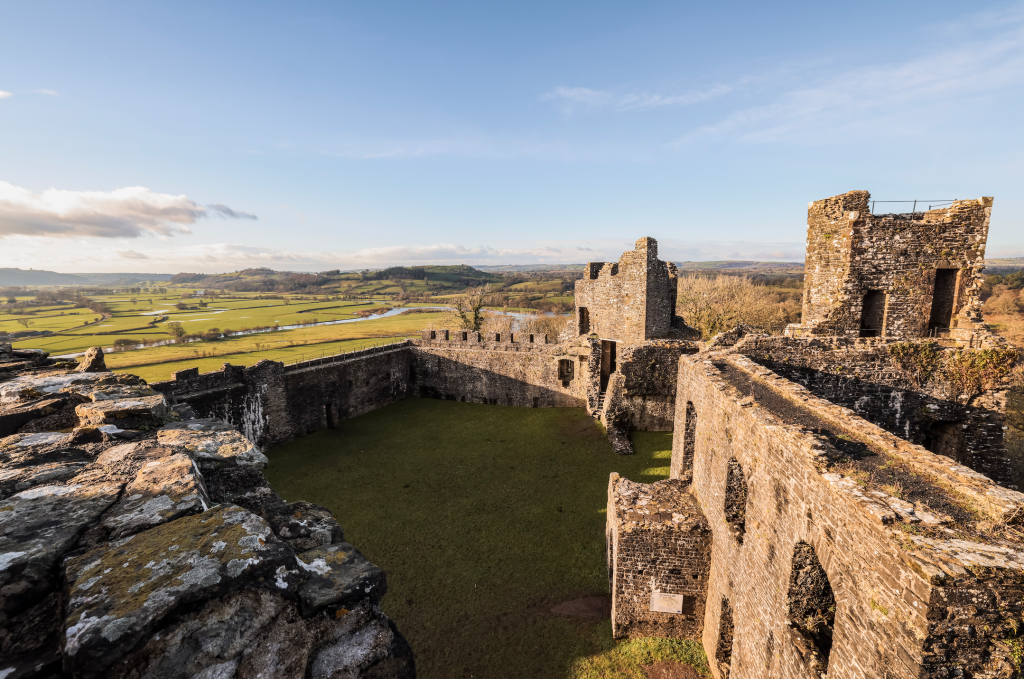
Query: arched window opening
689	443
812	608
736	500
723	652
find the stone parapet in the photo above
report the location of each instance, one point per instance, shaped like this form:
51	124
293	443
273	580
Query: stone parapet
129	543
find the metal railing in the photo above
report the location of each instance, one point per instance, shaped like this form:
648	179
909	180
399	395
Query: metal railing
930	202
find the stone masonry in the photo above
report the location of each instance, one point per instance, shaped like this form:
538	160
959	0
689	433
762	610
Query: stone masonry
140	541
896	275
628	301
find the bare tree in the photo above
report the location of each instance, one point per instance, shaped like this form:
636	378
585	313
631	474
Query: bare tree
714	305
466	311
24	321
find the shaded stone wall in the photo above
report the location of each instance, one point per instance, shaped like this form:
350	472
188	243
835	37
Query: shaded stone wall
862	375
646	394
890	586
272	403
852	254
502	371
630	300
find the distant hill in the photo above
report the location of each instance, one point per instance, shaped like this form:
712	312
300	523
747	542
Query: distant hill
27	277
123	278
1003	265
517	268
744	266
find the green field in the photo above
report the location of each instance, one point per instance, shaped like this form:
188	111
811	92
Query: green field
289	346
139	321
147	318
484	518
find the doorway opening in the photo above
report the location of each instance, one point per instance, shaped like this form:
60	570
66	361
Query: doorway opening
946	438
943	298
608	365
872	316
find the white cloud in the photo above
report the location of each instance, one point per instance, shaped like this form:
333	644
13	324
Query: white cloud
123	213
49	92
571	99
4	95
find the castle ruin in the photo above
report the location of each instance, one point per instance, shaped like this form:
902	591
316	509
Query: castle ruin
836	506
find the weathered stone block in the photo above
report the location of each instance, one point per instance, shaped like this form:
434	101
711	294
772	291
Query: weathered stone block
338	576
121	591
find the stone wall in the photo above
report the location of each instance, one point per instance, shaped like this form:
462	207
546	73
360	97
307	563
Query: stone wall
894	260
145	542
272	403
646	394
861	374
631	300
906	577
503	370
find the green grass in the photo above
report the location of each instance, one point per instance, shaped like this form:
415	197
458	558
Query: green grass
484	518
627	661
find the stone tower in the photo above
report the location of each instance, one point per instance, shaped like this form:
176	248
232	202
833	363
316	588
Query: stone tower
894	275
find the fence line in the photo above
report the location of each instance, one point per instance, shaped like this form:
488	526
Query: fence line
324	359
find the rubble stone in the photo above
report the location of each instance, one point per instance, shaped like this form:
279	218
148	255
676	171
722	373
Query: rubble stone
92	361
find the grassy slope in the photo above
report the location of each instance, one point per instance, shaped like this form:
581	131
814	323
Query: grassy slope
484	517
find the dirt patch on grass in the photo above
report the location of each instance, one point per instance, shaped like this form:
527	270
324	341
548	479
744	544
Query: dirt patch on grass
587	607
671	670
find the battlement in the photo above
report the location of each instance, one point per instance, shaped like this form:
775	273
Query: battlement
473	337
894	275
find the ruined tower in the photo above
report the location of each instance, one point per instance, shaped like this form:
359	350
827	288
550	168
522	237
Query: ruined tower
629	301
893	275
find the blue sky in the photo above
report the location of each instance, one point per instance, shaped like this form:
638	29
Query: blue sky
199	136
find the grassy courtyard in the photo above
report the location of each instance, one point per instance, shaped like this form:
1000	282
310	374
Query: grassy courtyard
484	517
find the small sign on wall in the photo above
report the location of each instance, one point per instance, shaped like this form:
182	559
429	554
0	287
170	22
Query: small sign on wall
666	603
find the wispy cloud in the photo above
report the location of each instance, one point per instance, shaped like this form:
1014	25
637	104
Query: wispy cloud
4	95
572	99
888	100
225	211
124	213
49	92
